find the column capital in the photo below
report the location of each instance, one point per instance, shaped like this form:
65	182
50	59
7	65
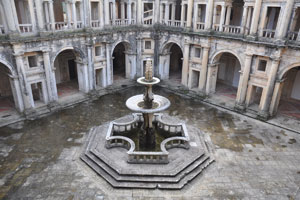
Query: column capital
275	58
247	54
19	54
280	80
206	47
213	64
46	50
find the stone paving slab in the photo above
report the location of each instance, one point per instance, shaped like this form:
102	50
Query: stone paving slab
254	160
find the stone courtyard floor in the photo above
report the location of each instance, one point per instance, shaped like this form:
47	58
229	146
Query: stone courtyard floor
254	160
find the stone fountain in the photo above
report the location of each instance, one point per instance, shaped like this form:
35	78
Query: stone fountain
149	139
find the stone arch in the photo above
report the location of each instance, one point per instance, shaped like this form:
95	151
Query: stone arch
9	67
12	96
70	71
77	51
283	72
123	61
224	77
217	55
126	43
168	44
286	94
170	61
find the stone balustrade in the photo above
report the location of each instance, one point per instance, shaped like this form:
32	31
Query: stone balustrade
134	156
25	28
267	33
2	31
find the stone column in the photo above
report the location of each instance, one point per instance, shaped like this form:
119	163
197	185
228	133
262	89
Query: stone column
74	14
68	14
156	11
39	13
106	12
17	94
255	18
244	19
243	83
167	12
47	74
209	14
190	13
139	12
214	16
139	62
266	99
101	14
8	8
51	13
173	13
203	72
82	71
91	70
195	18
161	13
222	18
129	11
276	97
283	26
109	74
212	74
248	20
262	21
50	77
25	87
47	16
185	64
228	15
114	12
182	14
122	12
32	16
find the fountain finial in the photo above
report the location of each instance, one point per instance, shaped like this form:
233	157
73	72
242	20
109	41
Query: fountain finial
149	73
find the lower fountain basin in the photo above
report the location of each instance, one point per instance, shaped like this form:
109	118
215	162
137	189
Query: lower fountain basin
135	104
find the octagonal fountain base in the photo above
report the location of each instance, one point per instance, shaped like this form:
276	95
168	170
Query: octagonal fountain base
183	165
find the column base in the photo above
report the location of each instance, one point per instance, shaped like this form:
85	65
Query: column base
263	115
280	42
240	107
252	37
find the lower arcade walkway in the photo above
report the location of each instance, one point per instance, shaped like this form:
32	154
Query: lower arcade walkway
254	160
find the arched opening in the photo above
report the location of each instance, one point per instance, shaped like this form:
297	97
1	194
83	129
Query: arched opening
171	62
289	103
175	69
119	62
6	93
66	73
228	75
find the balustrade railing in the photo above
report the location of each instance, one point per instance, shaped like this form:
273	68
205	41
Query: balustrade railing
232	29
61	25
148	21
216	27
25	28
79	24
294	36
95	23
2	30
268	33
200	25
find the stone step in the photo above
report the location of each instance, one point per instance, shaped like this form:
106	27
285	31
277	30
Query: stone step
112	181
154	178
188	176
106	160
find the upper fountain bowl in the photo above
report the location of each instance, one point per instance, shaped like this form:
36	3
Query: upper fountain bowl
136	104
143	81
